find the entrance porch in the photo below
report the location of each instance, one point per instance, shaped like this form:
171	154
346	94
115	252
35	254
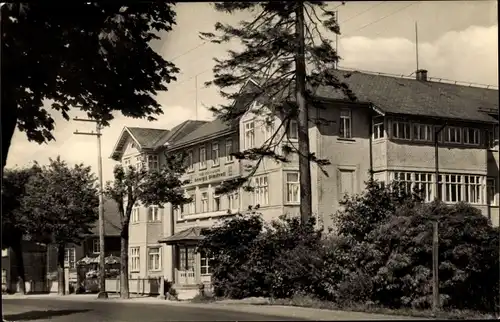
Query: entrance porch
190	268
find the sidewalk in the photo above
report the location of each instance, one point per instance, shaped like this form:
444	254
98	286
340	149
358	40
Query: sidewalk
284	311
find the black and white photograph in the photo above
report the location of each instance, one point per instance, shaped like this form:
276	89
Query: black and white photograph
249	161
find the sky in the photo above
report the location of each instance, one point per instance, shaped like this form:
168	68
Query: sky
457	40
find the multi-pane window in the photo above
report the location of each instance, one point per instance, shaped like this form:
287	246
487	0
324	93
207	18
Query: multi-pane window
153	214
96	246
135	215
190	207
424	184
405	180
401	130
216	202
153	162
134	259
378	128
189	161
452	187
422	132
206	264
138	162
452	135
261	191
204	202
472	189
154	258
345	124
203	157
491	192
268	130
293	130
126	163
233	200
69	258
215	154
229	150
292	187
471	136
249	135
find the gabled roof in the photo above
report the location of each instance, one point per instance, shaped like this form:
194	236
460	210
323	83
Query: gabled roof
143	137
112	222
207	130
398	95
179	131
190	234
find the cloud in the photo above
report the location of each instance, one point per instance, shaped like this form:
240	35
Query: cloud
469	55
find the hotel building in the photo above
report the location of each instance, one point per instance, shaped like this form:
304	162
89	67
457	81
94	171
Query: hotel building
389	131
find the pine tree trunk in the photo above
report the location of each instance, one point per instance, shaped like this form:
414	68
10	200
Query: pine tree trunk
17	250
61	280
303	118
124	291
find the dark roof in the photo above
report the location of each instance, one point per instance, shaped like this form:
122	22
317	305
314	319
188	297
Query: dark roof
190	234
204	131
146	137
112	222
412	97
179	131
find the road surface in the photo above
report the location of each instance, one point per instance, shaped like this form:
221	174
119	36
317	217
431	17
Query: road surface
111	311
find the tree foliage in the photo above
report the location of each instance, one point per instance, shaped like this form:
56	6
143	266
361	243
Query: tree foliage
63	201
269	57
148	187
77	55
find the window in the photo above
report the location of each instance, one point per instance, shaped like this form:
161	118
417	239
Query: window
4	276
206	264
138	162
153	162
154	259
203	158
153	214
126	163
96	246
492	138
261	191
69	258
229	150
471	136
424	184
135	215
472	189
452	135
216	202
5	252
404	178
179	211
422	132
233	200
189	161
491	192
190	207
134	259
215	154
293	130
249	135
268	129
378	128
292	187
452	187
401	130
204	202
345	124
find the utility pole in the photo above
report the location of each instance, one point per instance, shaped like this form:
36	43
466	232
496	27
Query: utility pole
337	40
435	227
196	97
102	263
303	116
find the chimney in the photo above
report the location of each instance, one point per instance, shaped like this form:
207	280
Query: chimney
422	75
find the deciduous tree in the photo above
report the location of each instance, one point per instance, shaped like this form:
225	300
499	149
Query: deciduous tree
16	223
63	200
78	55
282	38
149	187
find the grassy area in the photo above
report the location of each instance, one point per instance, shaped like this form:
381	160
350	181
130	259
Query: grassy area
309	302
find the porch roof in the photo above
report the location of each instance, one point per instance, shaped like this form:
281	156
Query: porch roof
186	235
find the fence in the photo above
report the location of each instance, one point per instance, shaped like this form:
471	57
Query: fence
140	286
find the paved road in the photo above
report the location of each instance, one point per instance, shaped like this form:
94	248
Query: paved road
108	311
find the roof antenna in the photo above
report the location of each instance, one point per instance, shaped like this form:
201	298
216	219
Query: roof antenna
196	98
416	42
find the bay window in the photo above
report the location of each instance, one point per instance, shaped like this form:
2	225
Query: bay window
422	132
401	130
452	135
471	136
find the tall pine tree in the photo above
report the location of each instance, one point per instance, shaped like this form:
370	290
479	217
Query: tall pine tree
285	53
